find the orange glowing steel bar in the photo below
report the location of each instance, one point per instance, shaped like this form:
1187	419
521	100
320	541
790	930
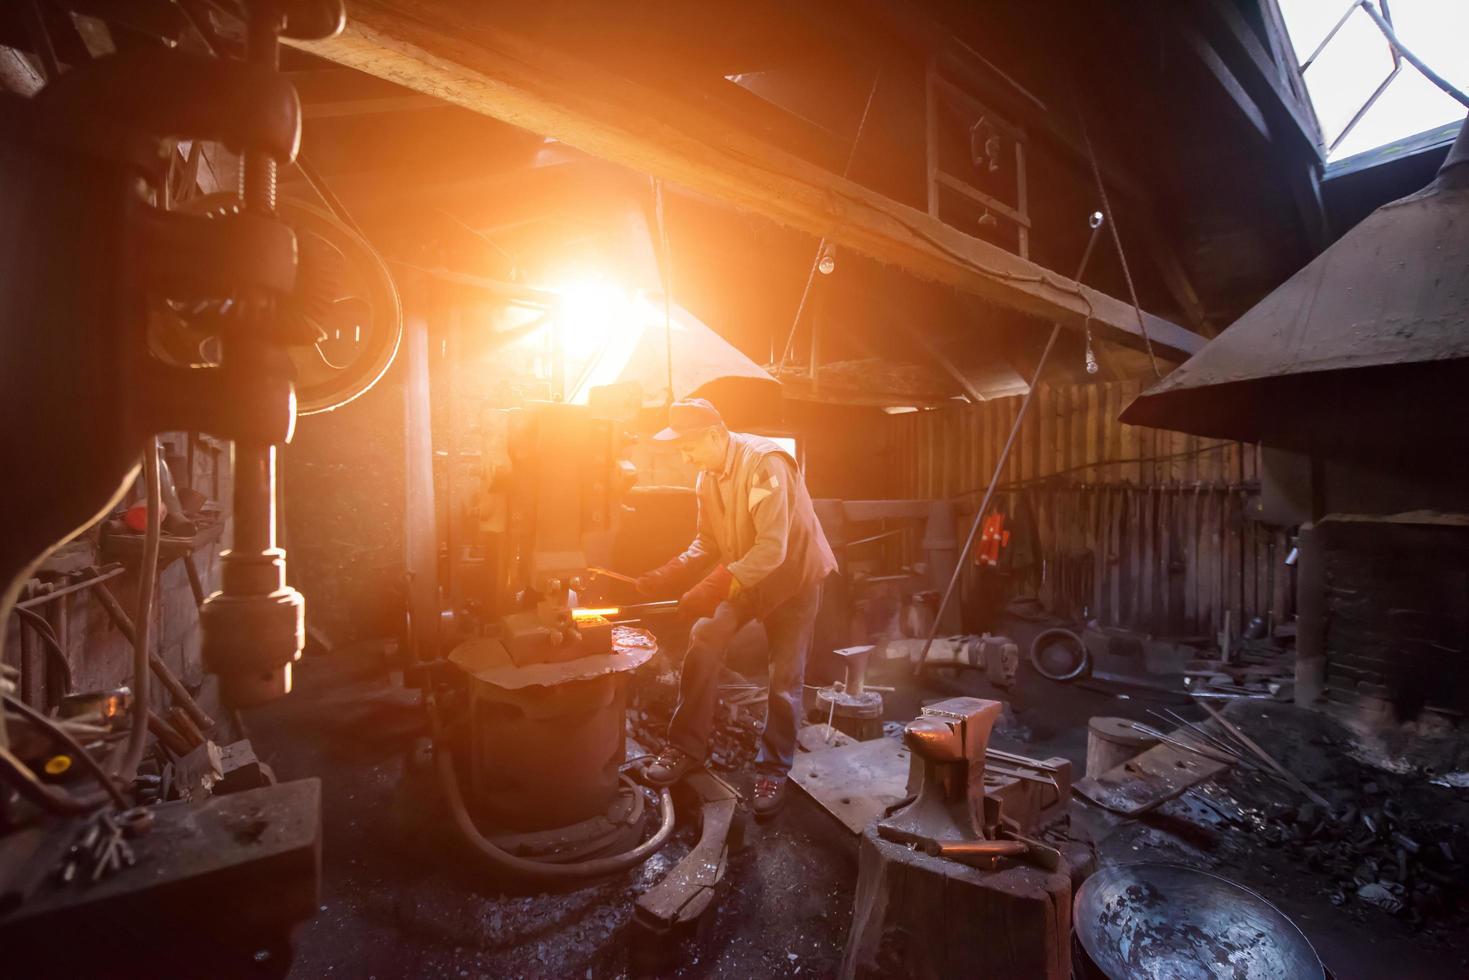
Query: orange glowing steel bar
593	613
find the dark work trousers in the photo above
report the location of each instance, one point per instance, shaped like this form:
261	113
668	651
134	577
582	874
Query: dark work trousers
789	627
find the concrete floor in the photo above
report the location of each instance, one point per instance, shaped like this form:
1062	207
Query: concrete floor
401	896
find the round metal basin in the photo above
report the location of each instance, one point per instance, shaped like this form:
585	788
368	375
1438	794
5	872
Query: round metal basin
1169	922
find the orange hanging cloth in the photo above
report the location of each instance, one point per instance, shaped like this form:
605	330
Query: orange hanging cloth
992	540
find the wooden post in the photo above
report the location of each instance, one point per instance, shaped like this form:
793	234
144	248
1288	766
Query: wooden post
420	529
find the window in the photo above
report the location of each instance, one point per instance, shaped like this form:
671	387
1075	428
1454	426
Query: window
1363	95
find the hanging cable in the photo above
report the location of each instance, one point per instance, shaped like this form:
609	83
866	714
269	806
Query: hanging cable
821	245
1091	155
513	863
667	276
989	494
147	581
48	639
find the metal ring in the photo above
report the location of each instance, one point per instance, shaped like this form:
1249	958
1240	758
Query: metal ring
136	821
1042	640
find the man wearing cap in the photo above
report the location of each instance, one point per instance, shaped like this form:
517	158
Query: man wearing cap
759	553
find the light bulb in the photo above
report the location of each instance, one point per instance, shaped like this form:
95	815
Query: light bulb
826	264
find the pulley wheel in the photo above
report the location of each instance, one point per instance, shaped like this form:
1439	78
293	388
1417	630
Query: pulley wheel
343	289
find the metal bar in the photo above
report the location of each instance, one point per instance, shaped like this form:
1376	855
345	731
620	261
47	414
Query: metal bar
1329	35
166	676
1413	59
931	137
876	537
1268	759
980	197
196	584
1371	101
323	190
44	598
41	38
1207	753
608	573
1004	458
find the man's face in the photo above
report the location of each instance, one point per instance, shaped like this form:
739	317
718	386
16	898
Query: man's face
703	450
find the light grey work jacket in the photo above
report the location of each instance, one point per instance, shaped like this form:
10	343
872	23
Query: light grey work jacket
755	516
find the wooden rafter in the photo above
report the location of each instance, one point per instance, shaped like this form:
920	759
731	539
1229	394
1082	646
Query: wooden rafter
437	47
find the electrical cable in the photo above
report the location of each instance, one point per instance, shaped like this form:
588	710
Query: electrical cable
1041	480
667	275
1412	59
78	751
147	581
821	245
41	38
1095	221
1137	309
504	860
49	639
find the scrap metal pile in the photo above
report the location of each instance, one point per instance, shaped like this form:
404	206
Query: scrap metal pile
1373	850
1375	841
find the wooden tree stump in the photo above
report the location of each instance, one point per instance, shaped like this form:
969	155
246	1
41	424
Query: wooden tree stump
922	917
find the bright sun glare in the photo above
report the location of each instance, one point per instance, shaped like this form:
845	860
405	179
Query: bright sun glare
589	313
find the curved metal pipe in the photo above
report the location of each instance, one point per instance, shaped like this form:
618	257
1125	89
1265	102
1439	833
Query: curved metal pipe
515	864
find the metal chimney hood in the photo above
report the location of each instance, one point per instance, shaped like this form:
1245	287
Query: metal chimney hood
1364	352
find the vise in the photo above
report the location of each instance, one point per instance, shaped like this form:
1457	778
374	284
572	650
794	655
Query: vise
972	803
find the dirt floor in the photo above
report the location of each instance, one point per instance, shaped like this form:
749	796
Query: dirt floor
402	896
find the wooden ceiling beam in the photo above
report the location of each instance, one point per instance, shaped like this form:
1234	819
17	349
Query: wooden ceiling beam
438	48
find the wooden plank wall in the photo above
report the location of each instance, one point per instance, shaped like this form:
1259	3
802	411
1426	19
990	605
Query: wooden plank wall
1134	527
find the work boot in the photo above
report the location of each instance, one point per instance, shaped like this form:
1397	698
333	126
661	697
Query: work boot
770	795
671	765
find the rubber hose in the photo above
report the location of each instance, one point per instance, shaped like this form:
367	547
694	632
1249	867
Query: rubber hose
88	761
49	640
633	819
503	859
147	581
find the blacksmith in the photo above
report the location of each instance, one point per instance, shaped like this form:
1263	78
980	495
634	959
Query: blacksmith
759	553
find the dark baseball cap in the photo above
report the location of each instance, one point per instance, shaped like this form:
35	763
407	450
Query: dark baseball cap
687	418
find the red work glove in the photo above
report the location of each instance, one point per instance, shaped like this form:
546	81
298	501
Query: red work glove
701	601
669	577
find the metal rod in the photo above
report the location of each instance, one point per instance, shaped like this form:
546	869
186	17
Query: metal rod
166	676
1184	746
44	598
1329	35
1209	738
1413	59
608	573
978	848
323	190
1004	457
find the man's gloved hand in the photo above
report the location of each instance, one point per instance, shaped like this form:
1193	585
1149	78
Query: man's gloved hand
663	580
701	601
